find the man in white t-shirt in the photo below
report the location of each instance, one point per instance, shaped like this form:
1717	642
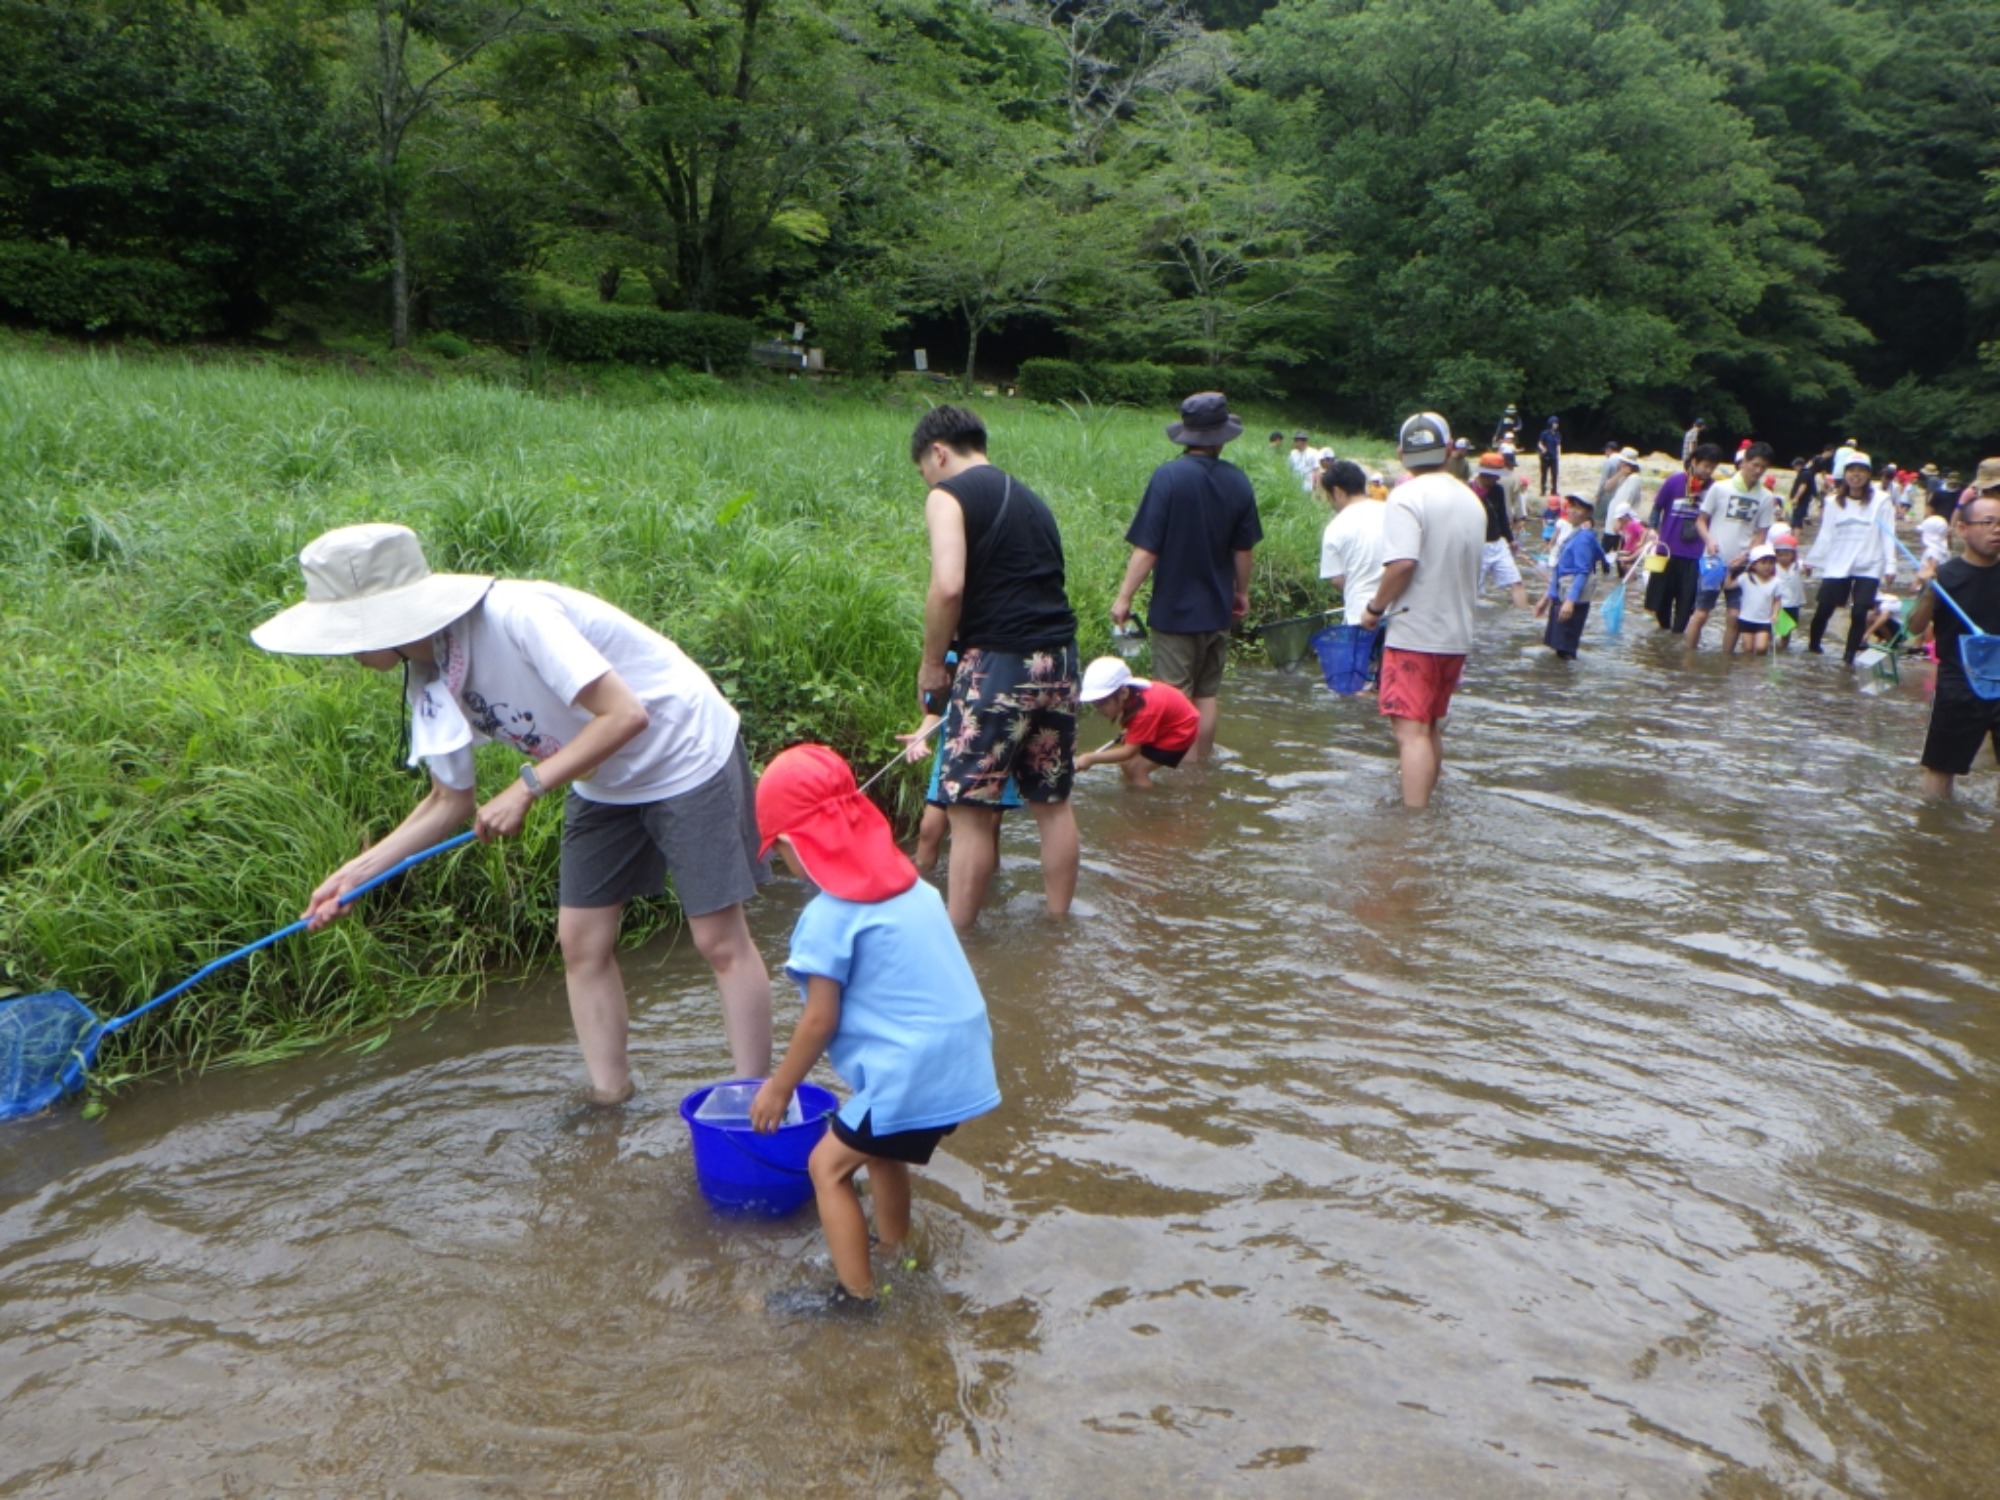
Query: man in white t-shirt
1434	530
1305	459
1736	515
651	753
1350	550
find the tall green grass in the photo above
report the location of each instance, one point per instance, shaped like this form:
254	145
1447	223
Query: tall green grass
168	792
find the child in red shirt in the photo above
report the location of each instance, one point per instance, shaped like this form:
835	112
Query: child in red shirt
1157	722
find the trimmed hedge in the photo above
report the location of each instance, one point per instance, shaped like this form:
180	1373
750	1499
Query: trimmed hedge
72	292
595	331
1136	384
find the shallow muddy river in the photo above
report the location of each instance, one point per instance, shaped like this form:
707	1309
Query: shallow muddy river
1626	1125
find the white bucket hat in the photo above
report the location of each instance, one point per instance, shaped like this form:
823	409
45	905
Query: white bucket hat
368	588
1105	676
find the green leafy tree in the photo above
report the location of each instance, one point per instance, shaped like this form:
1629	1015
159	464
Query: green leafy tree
415	61
169	132
716	138
1545	207
1234	245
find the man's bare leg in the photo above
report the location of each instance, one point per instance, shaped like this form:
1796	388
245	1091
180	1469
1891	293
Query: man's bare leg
975	855
1207	711
1062	853
1936	785
723	938
1420	751
588	936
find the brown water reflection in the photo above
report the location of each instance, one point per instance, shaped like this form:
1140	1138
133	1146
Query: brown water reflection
1627	1126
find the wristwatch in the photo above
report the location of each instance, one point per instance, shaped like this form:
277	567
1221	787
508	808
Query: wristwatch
1372	609
531	781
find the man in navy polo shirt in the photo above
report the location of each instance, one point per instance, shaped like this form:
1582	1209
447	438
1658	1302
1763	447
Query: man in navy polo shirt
1194	533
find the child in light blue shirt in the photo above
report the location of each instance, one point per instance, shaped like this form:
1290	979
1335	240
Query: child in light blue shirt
1570	576
889	1001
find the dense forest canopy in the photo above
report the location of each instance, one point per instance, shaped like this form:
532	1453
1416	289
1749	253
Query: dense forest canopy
1778	214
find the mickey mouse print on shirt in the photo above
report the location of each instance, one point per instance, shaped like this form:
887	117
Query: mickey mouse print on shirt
500	721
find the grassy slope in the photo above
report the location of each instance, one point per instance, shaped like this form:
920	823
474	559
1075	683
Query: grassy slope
168	792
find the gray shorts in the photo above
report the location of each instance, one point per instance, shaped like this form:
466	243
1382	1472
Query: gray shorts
1192	663
706	839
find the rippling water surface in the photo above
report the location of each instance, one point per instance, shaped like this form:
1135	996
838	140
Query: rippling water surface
1625	1125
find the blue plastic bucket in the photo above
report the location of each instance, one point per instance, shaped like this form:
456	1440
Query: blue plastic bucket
742	1172
1346	656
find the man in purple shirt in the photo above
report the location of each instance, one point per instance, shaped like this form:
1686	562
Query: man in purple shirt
1670	595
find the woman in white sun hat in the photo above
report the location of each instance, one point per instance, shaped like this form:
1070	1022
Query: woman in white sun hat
593	700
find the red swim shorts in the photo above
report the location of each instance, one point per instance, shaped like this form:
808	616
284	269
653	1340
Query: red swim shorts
1417	684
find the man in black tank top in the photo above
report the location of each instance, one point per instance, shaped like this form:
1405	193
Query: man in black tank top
996	597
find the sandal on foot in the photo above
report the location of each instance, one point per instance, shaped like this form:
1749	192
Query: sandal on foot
819	1302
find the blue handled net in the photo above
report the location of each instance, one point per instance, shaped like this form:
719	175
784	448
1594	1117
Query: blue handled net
1980	655
1349	656
46	1042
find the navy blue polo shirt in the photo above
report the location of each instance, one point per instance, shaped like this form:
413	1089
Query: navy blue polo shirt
1197	514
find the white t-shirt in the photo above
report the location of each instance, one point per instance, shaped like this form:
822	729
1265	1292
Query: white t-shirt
1936	534
1563	532
1736	515
1854	540
513	667
1792	589
1760	599
1439	523
1351	550
1624	501
1305	464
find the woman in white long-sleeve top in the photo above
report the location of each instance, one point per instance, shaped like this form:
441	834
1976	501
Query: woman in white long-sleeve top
1854	551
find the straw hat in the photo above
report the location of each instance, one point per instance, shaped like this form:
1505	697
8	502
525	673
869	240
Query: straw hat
1987	479
368	588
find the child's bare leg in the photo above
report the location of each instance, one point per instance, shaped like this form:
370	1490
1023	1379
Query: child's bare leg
832	1167
1136	773
930	838
889	1188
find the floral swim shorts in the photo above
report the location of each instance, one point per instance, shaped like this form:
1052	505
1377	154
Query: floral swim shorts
1011	714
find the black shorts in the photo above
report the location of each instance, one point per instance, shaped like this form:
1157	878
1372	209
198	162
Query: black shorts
1961	721
911	1146
1160	757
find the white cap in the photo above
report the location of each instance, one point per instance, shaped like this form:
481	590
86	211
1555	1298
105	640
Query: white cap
1761	551
1105	676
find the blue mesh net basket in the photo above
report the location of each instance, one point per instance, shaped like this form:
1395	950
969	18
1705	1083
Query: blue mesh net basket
45	1042
1347	656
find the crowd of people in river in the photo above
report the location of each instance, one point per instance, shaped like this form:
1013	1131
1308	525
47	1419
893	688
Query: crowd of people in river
658	784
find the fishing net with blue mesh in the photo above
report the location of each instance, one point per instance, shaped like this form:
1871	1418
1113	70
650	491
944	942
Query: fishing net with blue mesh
46	1041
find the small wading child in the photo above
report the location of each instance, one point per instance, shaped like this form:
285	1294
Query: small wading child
1791	588
1570	578
1157	723
1756	573
889	1000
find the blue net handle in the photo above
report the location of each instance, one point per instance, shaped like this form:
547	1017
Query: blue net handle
1977	651
283	932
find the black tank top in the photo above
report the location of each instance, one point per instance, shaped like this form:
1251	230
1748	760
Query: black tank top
1014	599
